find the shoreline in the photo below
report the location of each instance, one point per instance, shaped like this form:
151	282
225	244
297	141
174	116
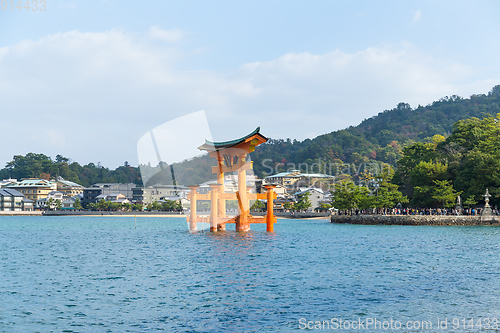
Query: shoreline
279	215
417	220
24	213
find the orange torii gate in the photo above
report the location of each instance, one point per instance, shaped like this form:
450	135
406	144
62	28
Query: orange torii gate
231	156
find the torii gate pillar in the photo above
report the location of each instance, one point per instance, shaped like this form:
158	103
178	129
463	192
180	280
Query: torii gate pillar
270	219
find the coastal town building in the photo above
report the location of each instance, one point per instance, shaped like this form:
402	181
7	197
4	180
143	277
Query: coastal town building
280	190
280	204
294	179
69	203
70	189
90	194
12	200
28	205
41	204
316	195
66	202
56	195
150	194
184	202
231	184
33	188
38	191
113	197
108	188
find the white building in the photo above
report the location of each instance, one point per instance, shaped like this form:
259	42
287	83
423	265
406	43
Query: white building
294	179
316	195
11	200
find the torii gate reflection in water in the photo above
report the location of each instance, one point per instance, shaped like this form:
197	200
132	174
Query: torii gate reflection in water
231	156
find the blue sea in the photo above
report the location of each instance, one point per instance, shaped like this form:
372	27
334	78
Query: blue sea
118	274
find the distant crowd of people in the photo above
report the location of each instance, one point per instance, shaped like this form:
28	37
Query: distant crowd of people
414	211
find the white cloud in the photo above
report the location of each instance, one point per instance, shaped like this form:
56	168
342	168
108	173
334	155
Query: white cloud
91	96
170	36
417	14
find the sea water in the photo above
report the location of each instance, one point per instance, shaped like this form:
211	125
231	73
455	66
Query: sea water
115	274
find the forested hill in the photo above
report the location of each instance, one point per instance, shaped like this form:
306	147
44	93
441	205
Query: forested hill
380	138
34	165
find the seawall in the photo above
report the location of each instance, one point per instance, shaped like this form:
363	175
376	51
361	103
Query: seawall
22	213
414	220
108	213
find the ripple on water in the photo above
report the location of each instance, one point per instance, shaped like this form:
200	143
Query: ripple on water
76	274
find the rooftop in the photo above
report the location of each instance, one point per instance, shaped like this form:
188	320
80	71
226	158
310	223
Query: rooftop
115	194
214	146
106	185
69	183
295	174
304	190
33	182
178	187
284	174
5	192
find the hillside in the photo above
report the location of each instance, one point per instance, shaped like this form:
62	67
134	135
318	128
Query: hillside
380	137
42	166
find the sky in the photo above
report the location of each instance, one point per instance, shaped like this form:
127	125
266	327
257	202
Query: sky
88	79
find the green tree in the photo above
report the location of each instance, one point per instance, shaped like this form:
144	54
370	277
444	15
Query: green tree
287	206
166	206
425	173
257	206
387	194
412	156
137	207
324	206
114	206
102	204
302	202
444	193
58	204
348	196
470	201
77	205
50	204
154	206
170	205
422	196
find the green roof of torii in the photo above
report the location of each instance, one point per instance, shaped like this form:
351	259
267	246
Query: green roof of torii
213	146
